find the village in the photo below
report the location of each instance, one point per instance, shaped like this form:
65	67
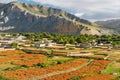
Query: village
20	42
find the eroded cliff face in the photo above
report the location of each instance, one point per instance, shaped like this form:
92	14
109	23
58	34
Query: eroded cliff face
21	17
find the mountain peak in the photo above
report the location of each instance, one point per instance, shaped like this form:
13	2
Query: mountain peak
23	17
44	11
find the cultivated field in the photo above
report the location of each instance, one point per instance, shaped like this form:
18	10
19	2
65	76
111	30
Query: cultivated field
20	65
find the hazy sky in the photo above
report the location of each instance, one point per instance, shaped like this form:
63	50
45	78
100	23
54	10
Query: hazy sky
88	9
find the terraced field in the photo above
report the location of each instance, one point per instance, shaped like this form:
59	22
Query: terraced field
23	66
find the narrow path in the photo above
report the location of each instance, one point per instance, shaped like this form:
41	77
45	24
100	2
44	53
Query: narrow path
107	57
60	72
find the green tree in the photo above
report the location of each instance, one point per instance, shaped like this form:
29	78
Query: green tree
15	45
72	40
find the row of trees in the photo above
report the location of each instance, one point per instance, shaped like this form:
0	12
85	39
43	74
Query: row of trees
72	39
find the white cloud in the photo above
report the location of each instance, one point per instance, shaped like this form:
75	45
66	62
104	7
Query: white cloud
92	9
79	14
6	1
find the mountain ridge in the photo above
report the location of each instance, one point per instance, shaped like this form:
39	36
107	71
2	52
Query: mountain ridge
113	23
22	17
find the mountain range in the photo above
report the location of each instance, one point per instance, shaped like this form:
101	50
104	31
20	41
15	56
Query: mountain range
23	17
113	23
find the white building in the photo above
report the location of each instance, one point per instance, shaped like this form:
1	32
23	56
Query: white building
39	45
51	44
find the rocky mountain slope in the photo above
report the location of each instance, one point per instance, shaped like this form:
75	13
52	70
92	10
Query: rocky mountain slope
1	5
22	17
114	23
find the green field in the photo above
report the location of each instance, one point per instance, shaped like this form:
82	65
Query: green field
113	68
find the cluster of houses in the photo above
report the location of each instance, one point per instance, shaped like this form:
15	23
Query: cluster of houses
103	45
44	44
7	41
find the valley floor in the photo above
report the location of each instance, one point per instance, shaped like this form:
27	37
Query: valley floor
19	65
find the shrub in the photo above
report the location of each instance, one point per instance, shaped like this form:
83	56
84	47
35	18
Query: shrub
60	62
13	68
42	65
25	66
51	55
76	78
